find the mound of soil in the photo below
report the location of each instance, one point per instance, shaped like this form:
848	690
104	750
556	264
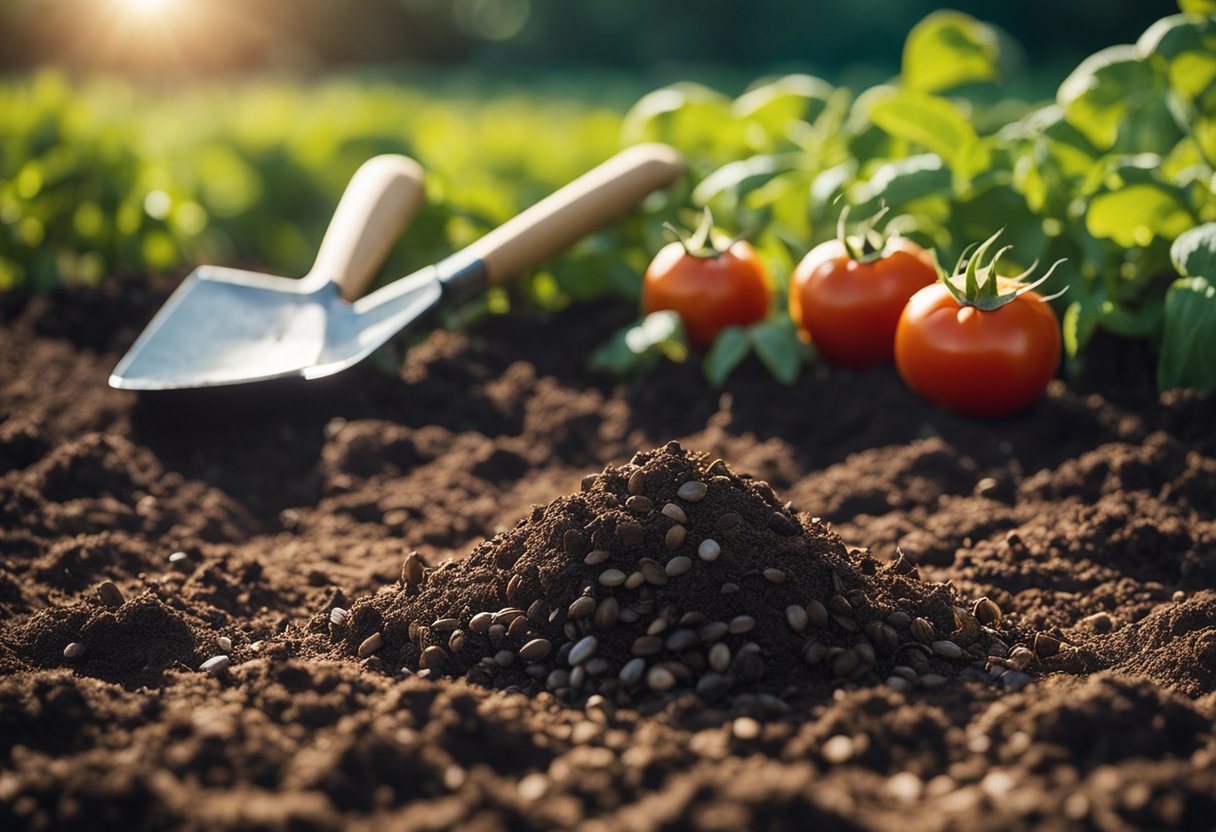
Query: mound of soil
415	633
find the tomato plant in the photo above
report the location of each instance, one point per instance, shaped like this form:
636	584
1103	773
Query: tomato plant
985	348
712	285
847	294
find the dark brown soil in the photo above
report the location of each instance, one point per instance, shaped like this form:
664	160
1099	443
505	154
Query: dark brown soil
1090	519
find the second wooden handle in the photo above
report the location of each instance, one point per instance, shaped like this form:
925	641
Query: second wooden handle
585	205
385	193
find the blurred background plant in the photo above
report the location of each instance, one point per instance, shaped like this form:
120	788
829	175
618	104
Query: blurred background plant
141	136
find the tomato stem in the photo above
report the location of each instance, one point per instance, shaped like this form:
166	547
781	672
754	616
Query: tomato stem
980	287
701	242
872	241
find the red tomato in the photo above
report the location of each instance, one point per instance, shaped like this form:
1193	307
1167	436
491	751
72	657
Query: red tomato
848	308
709	293
982	363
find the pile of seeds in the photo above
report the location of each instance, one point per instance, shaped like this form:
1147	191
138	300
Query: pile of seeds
674	574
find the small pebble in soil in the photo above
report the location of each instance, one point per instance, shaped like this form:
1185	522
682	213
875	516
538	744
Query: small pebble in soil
709	550
225	644
838	749
74	651
216	665
337	616
179	560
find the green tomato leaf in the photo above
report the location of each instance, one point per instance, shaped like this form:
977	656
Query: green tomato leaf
727	351
902	181
933	123
777	104
948	49
778	348
1103	89
1188	349
1194	252
639	346
1134	215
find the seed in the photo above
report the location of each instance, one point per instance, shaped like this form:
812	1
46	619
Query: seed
337	616
745	728
817	613
597	666
813	652
986	611
840	604
713	686
682	640
837	581
637	482
513	587
646	646
677	566
657	627
838	749
713	631
535	650
607	613
507	615
557	679
434	658
844	664
865	652
750	665
595	557
413	571
845	623
1020	658
445	625
504	658
729	588
922	630
582	607
797	618
573	541
583	650
899	618
660	679
692	619
370	645
75	650
612	577
774	576
898	684
481	622
719	657
587	482
225	644
632	672
692	491
1101	622
782	525
883	635
741	624
519	628
639	504
1045	646
906	672
635	580
673	512
675	537
933	681
456	641
947	649
215	665
109	594
653	571
179	560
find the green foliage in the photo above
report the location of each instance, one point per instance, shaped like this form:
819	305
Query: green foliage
104	178
948	49
638	347
1105	178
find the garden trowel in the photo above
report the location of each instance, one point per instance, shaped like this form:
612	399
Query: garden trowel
229	327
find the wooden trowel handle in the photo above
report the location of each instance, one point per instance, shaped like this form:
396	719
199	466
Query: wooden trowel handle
385	193
585	205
